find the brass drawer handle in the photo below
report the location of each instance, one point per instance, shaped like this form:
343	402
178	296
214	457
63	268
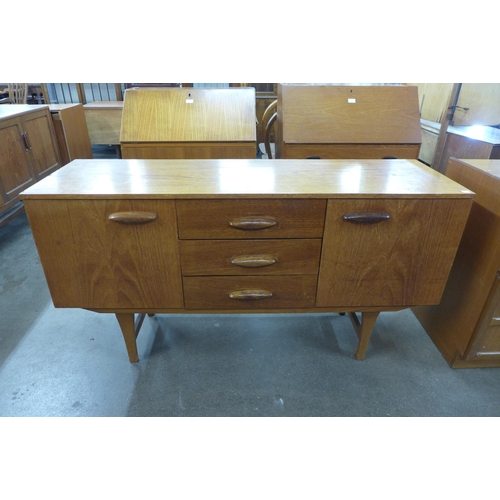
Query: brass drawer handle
252	223
133	217
254	260
366	217
250	294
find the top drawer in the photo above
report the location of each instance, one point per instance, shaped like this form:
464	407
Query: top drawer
235	219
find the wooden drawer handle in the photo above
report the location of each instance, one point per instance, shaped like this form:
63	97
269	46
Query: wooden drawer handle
254	260
133	217
250	294
366	217
252	223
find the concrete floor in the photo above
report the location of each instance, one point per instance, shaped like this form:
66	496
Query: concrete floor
69	362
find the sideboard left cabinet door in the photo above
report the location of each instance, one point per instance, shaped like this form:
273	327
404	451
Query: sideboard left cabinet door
108	254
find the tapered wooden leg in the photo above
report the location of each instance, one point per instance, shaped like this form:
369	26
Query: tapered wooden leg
127	325
363	330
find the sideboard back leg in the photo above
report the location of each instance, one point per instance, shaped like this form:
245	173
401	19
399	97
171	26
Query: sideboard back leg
363	329
130	330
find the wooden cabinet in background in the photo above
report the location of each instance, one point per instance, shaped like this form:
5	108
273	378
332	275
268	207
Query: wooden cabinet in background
104	121
189	123
465	326
347	121
71	132
261	236
28	152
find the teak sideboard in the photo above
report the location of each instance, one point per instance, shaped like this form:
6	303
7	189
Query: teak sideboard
225	236
28	152
347	121
465	326
189	123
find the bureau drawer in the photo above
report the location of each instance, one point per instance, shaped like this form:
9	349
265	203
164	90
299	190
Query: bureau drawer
249	257
249	292
249	218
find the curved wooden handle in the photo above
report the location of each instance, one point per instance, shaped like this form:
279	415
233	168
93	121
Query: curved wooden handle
252	223
366	217
250	294
254	260
133	217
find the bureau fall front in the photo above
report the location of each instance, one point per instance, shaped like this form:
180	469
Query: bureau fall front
135	237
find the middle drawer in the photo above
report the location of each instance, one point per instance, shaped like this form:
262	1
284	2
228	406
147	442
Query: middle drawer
249	257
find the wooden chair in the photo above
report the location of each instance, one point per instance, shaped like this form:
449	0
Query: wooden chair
18	92
267	148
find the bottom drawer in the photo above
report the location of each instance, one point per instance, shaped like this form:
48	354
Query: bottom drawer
250	292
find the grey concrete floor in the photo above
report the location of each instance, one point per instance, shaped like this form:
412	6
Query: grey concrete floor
70	362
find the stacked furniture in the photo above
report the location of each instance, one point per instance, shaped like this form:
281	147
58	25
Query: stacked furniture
347	121
189	123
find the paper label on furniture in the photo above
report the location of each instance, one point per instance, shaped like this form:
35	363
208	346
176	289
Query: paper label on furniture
189	101
351	101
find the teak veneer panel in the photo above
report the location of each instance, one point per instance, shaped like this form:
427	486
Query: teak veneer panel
206	219
214	257
93	262
402	261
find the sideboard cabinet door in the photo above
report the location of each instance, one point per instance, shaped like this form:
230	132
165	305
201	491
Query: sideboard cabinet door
15	172
108	254
42	141
401	258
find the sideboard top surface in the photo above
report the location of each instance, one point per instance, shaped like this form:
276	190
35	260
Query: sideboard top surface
177	179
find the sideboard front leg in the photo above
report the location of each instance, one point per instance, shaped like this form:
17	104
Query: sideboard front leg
363	330
128	328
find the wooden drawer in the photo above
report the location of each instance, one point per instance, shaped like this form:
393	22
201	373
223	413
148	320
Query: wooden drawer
285	292
249	257
249	218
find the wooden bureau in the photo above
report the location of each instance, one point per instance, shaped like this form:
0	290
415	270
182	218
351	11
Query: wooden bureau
164	236
465	326
189	123
347	121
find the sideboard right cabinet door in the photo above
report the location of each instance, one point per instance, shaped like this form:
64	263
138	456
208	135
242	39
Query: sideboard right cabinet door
388	252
